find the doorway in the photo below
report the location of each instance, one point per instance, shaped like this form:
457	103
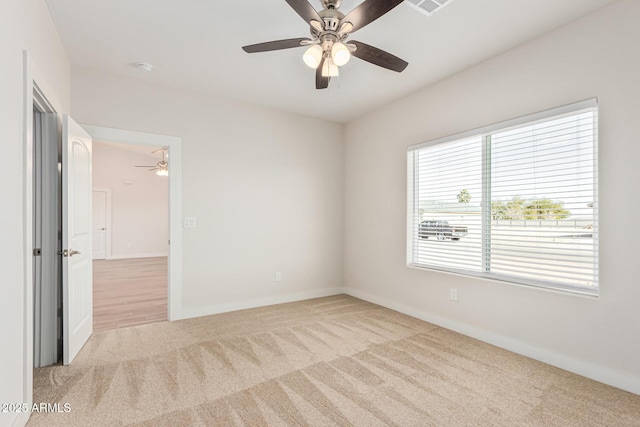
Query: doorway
130	234
149	142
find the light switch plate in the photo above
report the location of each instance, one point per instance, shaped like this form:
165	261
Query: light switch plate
189	222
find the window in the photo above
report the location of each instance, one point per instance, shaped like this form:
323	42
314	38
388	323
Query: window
516	201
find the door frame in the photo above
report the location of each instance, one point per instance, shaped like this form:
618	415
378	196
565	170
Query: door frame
174	144
33	97
107	220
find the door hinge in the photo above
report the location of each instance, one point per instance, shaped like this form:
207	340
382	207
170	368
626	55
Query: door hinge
37	252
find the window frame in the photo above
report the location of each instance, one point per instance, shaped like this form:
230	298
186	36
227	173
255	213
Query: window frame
484	133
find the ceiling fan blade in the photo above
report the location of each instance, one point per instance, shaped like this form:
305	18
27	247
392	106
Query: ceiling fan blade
378	57
144	166
276	45
305	10
322	82
368	11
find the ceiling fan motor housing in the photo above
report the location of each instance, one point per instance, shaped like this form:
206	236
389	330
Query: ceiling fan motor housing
331	19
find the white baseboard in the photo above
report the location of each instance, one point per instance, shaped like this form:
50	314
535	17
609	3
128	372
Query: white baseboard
143	255
595	372
259	302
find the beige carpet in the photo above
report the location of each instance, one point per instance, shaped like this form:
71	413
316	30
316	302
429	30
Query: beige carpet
324	362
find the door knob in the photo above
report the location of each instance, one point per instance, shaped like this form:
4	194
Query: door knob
68	253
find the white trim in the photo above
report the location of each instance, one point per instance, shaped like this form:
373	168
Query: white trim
570	108
580	367
259	302
27	233
40	101
143	255
134	137
174	143
107	220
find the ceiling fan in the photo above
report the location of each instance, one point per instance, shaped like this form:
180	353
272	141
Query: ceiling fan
327	47
162	167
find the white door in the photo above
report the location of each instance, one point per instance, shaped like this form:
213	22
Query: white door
77	286
99	207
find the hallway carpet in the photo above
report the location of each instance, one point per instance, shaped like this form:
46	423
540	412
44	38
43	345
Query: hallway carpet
323	362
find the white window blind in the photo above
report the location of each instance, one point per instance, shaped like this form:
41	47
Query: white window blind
516	201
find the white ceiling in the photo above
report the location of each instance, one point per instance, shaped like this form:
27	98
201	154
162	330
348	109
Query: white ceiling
196	45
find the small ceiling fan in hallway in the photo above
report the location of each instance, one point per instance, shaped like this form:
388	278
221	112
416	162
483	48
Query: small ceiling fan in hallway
328	47
162	167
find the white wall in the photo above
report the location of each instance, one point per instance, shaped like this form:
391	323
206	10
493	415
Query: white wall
140	207
266	188
593	57
24	25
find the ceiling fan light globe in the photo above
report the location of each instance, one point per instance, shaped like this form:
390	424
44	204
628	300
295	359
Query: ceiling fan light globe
329	69
340	54
313	56
162	172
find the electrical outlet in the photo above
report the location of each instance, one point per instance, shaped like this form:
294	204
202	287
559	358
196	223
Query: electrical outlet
453	294
278	276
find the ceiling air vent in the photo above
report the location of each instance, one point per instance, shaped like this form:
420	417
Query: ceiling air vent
428	7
